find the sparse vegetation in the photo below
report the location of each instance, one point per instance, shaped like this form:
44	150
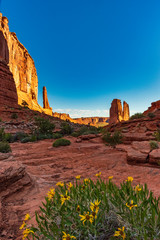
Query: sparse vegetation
5	147
66	129
157	135
153	145
61	142
18	136
114	139
31	138
137	116
85	130
57	135
44	126
86	209
151	115
14	116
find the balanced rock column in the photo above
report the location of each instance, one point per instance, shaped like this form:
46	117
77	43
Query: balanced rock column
45	99
8	92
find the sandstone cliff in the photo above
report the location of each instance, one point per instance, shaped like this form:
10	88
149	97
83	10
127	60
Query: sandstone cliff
154	107
93	121
22	67
117	114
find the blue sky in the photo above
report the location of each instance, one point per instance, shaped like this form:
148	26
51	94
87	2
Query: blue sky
88	52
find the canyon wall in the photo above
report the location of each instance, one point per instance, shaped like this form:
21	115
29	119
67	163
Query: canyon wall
154	107
8	92
93	121
117	114
22	67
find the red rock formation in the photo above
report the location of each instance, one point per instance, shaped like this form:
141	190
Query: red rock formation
93	121
22	67
45	99
126	114
8	92
154	107
116	112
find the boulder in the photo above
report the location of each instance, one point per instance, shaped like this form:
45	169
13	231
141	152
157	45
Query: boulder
154	157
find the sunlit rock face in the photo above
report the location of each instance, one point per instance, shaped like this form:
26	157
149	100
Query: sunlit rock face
22	67
93	121
45	99
154	107
117	114
8	92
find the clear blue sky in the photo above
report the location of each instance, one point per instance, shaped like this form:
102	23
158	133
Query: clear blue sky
88	52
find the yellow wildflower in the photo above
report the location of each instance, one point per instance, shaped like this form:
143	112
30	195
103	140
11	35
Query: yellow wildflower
94	213
121	233
70	185
86	217
137	188
78	177
129	179
87	180
94	205
51	193
27	217
131	205
23	225
61	184
64	198
26	232
78	208
98	174
67	236
110	177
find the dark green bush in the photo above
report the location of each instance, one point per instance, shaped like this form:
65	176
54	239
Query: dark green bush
153	145
5	137
57	135
29	139
114	139
75	134
41	136
61	142
151	115
0	119
66	129
85	131
18	136
5	147
44	126
137	116
14	116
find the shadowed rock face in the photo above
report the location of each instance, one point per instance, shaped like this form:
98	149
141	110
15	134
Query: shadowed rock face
117	114
45	99
8	92
4	52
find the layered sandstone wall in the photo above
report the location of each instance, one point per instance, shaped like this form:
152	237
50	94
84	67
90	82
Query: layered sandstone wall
154	107
22	67
117	114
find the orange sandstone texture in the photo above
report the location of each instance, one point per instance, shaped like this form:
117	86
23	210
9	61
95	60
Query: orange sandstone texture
45	99
22	67
117	114
154	106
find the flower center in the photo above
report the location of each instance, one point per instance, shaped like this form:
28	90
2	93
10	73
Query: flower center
87	217
68	238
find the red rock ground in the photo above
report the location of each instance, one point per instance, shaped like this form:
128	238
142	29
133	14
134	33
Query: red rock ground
37	166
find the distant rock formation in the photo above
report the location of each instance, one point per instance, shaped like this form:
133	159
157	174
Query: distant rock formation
45	99
22	67
8	92
93	121
154	107
117	114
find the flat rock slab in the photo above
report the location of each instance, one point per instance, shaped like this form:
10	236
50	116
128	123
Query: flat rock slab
154	157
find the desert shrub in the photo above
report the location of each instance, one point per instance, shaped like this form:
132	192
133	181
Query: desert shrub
114	139
57	135
5	147
5	137
24	104
85	131
61	142
157	135
41	136
137	116
44	126
31	138
14	116
86	209
18	136
75	134
151	115
66	129
153	145
0	119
